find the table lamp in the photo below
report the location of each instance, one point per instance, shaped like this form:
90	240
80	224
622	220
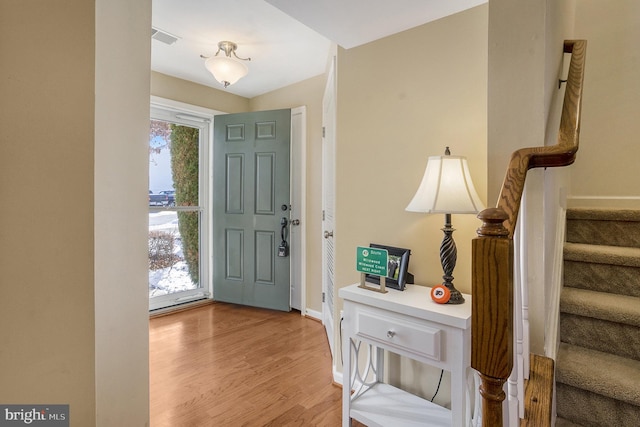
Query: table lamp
447	188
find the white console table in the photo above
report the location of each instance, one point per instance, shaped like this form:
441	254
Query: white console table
411	324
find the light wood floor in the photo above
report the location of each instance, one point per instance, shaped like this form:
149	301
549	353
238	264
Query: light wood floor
229	365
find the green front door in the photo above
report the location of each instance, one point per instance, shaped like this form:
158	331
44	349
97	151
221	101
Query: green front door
250	199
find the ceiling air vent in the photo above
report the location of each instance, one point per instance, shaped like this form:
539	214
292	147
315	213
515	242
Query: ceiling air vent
163	36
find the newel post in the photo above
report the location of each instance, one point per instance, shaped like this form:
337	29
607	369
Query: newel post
492	312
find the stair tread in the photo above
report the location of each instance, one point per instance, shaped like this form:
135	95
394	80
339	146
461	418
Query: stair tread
614	376
600	305
604	214
601	254
561	422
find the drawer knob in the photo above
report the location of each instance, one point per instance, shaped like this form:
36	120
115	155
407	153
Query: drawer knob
391	334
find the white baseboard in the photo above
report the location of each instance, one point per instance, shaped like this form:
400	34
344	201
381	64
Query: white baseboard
314	314
616	202
337	376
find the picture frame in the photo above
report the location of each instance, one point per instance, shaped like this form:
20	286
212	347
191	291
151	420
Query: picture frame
398	265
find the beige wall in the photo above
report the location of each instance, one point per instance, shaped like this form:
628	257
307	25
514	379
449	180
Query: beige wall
308	93
400	100
123	58
56	325
516	85
46	181
188	92
607	163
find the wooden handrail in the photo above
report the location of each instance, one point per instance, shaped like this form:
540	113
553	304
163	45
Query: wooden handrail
492	250
561	154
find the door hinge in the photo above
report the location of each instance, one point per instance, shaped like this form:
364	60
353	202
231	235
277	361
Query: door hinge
323	214
323	297
324	131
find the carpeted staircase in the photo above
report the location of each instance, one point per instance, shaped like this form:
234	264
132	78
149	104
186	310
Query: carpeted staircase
598	363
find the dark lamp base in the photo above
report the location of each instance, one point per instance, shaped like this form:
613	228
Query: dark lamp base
448	257
456	296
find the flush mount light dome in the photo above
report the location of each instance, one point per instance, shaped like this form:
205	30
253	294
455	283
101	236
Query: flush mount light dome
225	68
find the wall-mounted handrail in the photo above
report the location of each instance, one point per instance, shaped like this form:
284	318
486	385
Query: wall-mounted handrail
492	250
561	154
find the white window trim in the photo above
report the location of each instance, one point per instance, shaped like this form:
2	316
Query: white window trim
197	115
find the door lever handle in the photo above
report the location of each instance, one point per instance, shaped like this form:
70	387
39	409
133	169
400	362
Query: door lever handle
328	234
283	249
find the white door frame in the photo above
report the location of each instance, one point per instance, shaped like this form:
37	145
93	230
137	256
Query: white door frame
298	209
328	206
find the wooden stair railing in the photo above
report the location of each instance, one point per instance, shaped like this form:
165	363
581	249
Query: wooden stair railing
492	250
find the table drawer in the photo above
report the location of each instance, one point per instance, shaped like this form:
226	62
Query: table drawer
412	337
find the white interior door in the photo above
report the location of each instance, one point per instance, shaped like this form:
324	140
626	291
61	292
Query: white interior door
328	198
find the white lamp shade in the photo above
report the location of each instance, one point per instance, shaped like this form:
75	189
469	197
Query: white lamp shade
225	69
446	187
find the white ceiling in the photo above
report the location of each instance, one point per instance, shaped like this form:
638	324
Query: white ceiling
283	50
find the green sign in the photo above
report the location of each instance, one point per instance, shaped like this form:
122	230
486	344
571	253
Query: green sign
372	261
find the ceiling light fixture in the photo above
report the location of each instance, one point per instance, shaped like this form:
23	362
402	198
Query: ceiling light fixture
225	69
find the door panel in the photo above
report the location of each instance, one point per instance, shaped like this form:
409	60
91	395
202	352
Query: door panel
265	243
234	254
265	183
234	190
251	184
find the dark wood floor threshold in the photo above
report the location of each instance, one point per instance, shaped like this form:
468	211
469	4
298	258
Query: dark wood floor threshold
178	308
538	392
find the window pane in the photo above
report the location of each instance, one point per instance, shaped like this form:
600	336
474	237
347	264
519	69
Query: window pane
161	188
173	165
185	142
174	214
173	256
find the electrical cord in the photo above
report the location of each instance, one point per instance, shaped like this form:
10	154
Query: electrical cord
438	388
341	357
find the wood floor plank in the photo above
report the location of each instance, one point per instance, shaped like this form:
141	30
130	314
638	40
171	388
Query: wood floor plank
229	365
